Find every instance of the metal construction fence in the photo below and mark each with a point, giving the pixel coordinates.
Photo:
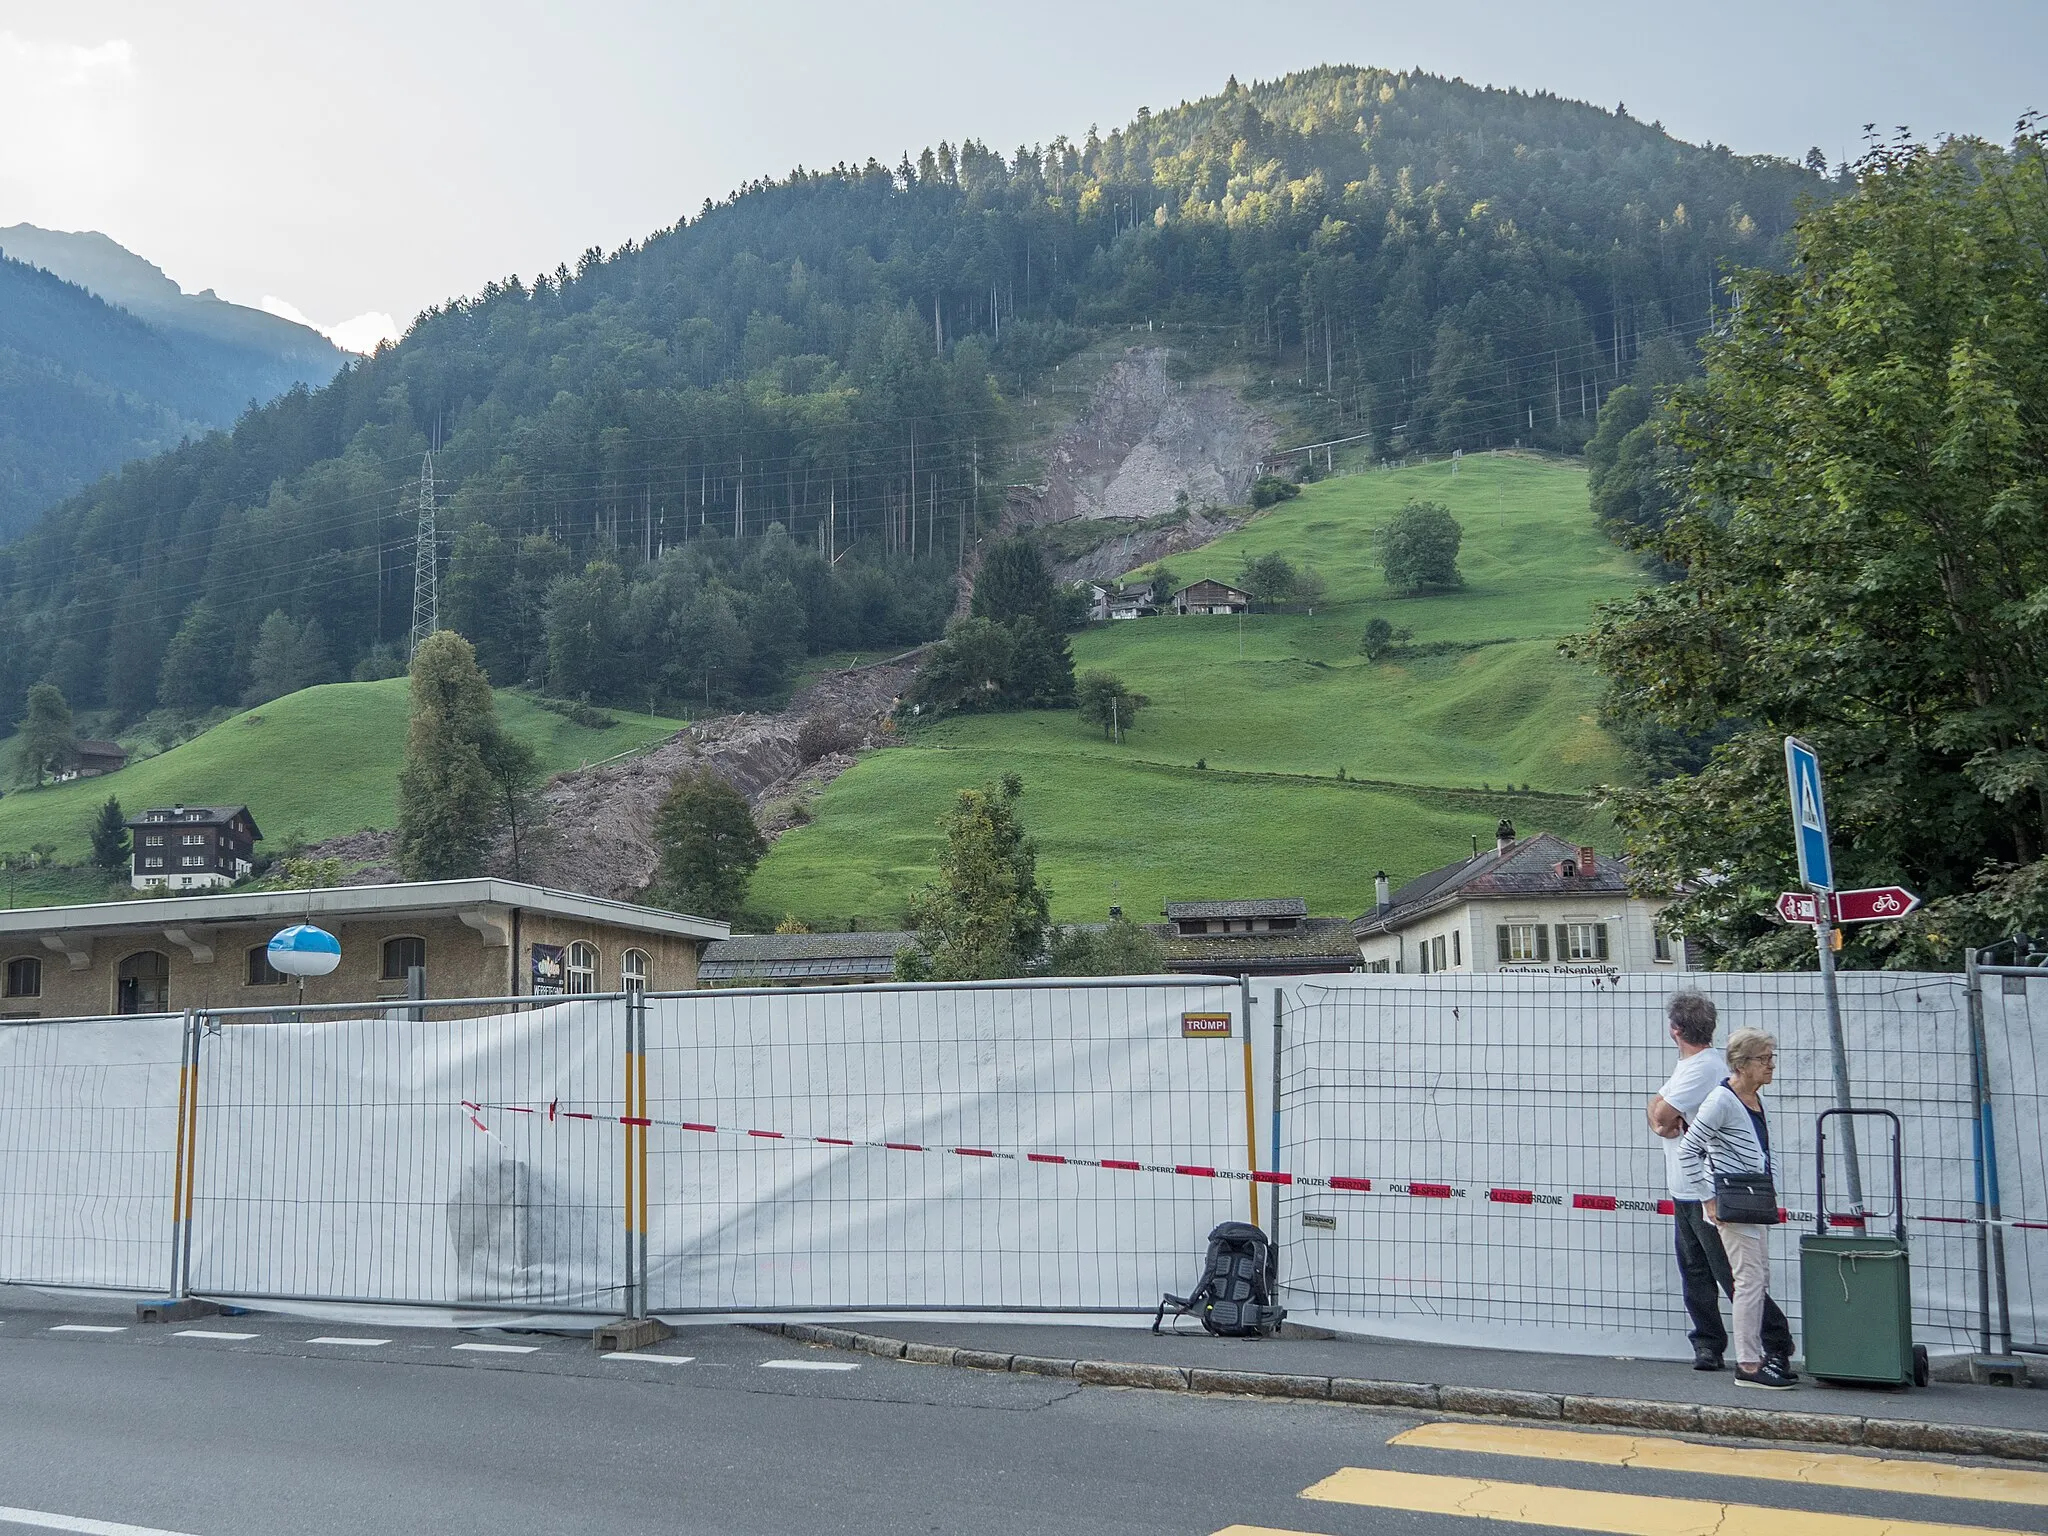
(1455, 1157)
(1514, 1189)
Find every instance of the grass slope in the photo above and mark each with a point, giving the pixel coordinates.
(1439, 736)
(312, 765)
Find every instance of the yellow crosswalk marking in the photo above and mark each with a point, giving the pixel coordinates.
(1819, 1469)
(1619, 1514)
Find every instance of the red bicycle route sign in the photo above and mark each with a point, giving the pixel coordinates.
(1877, 905)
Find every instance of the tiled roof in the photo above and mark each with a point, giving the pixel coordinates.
(761, 957)
(1259, 906)
(192, 815)
(744, 947)
(98, 748)
(1527, 867)
(1327, 940)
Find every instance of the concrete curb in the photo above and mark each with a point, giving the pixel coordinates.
(1483, 1402)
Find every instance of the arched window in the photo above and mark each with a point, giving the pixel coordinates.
(25, 977)
(633, 972)
(143, 984)
(401, 955)
(261, 972)
(582, 967)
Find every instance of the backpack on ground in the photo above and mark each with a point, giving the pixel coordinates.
(1234, 1297)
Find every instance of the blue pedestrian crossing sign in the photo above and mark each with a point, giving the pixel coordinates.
(1809, 815)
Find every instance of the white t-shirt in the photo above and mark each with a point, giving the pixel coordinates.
(1685, 1090)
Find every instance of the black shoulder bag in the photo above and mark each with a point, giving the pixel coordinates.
(1749, 1199)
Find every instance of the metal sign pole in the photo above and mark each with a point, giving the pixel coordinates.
(1817, 870)
(1824, 938)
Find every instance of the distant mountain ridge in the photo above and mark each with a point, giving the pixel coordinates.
(103, 359)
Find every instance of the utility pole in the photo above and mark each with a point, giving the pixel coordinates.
(426, 589)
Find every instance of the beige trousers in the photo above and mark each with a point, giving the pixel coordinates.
(1749, 1258)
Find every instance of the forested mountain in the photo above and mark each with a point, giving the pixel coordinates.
(104, 359)
(682, 438)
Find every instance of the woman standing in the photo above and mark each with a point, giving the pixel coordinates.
(1729, 1137)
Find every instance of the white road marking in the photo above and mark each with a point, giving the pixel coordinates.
(50, 1522)
(90, 1328)
(335, 1339)
(502, 1349)
(627, 1354)
(207, 1333)
(807, 1365)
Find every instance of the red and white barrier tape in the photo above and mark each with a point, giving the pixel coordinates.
(1341, 1183)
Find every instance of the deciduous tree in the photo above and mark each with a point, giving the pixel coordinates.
(985, 916)
(47, 744)
(1864, 559)
(708, 845)
(1419, 548)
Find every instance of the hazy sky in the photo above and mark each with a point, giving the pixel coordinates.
(374, 157)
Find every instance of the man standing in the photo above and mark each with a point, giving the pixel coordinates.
(1702, 1263)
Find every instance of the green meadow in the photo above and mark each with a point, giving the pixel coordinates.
(1276, 705)
(311, 765)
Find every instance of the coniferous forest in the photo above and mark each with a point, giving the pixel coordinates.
(667, 473)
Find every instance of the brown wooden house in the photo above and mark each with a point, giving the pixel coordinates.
(1211, 597)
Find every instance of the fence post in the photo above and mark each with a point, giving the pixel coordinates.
(636, 1004)
(632, 1162)
(176, 1287)
(1990, 1236)
(1251, 1107)
(189, 1101)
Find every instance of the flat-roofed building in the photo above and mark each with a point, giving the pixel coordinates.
(466, 938)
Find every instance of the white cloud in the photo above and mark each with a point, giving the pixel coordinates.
(358, 334)
(70, 132)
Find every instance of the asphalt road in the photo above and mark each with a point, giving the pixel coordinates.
(170, 1430)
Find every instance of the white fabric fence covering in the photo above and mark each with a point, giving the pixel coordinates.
(88, 1140)
(1535, 1086)
(1098, 1071)
(336, 1160)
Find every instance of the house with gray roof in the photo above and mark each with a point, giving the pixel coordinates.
(1527, 904)
(1255, 936)
(802, 959)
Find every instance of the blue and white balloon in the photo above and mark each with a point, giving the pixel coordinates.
(303, 950)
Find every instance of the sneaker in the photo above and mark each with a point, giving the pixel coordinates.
(1706, 1360)
(1782, 1365)
(1767, 1376)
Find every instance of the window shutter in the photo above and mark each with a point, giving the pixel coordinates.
(1457, 947)
(1599, 941)
(1542, 941)
(1500, 933)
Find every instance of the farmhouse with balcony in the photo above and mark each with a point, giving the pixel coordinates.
(1526, 904)
(1211, 597)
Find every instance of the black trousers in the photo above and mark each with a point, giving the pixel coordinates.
(1704, 1273)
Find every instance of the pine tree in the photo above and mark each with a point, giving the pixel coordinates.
(47, 742)
(1013, 583)
(199, 666)
(447, 801)
(708, 844)
(110, 837)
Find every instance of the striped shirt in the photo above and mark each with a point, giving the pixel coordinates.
(1723, 1137)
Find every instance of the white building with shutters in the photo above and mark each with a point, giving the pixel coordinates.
(1536, 904)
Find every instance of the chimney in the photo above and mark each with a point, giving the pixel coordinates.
(1382, 893)
(1504, 835)
(1588, 861)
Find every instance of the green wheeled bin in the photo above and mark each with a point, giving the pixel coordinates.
(1856, 1290)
